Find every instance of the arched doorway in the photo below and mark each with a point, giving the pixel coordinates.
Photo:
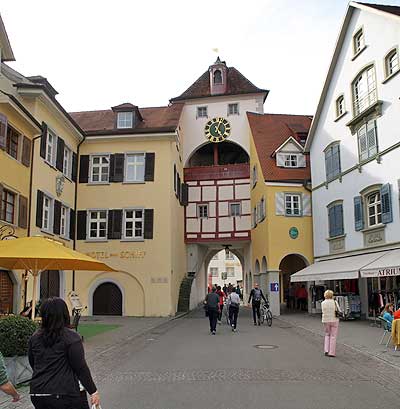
(6, 293)
(49, 284)
(289, 265)
(107, 300)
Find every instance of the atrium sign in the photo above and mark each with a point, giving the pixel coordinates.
(381, 272)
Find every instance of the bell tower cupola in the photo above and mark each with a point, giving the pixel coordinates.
(218, 77)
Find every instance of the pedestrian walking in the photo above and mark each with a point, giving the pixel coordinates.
(233, 308)
(57, 358)
(302, 297)
(330, 319)
(225, 289)
(221, 296)
(256, 295)
(212, 304)
(5, 385)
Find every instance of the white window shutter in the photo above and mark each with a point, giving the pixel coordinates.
(280, 204)
(306, 204)
(280, 160)
(301, 160)
(264, 210)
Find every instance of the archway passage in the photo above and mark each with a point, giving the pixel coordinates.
(213, 154)
(49, 284)
(6, 293)
(107, 300)
(292, 295)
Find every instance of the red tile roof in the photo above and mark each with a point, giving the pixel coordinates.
(269, 132)
(382, 7)
(158, 119)
(237, 84)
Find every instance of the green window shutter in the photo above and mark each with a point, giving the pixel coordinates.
(386, 200)
(358, 213)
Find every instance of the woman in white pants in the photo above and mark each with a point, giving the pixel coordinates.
(331, 322)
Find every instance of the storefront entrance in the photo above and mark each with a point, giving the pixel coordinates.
(107, 300)
(6, 293)
(49, 284)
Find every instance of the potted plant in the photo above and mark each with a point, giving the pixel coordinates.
(15, 332)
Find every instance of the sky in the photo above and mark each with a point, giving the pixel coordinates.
(98, 54)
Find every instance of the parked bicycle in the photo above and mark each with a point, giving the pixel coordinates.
(266, 314)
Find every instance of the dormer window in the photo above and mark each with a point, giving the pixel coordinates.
(290, 161)
(217, 77)
(124, 120)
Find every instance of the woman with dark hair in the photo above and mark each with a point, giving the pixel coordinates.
(57, 358)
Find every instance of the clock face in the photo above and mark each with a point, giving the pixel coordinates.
(217, 129)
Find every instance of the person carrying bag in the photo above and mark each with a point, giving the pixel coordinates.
(330, 318)
(233, 308)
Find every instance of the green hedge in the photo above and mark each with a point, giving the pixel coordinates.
(15, 332)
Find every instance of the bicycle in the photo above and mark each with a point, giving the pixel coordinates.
(266, 314)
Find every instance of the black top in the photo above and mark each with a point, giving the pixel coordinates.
(212, 300)
(252, 296)
(57, 369)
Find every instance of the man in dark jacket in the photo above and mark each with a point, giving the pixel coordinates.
(212, 305)
(256, 295)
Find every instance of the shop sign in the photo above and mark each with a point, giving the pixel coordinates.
(129, 254)
(293, 232)
(387, 272)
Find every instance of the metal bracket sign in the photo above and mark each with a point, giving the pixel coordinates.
(274, 287)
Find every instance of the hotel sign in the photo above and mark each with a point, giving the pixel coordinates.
(124, 255)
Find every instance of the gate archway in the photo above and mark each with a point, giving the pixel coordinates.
(107, 299)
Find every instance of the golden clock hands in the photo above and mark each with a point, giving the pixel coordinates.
(217, 128)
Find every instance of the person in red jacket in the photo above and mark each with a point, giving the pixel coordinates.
(302, 296)
(221, 303)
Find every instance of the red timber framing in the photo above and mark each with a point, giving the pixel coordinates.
(217, 187)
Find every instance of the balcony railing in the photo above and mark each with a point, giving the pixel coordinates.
(236, 171)
(364, 101)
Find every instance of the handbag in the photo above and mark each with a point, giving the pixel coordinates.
(338, 313)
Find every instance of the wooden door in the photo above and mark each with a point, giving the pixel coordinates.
(107, 300)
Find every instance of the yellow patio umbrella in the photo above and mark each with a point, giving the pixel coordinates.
(37, 254)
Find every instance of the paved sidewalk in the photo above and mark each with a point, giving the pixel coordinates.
(98, 347)
(360, 335)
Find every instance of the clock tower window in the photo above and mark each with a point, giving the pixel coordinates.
(217, 77)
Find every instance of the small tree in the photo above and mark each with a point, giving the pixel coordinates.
(15, 332)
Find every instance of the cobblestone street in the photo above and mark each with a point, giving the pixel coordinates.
(177, 364)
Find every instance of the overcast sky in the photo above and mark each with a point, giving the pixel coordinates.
(98, 54)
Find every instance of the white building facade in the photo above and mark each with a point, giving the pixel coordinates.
(225, 264)
(354, 146)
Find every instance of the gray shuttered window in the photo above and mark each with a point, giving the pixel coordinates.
(386, 200)
(358, 213)
(149, 167)
(3, 131)
(26, 151)
(84, 169)
(335, 215)
(81, 225)
(117, 162)
(43, 140)
(39, 209)
(71, 224)
(148, 223)
(115, 224)
(60, 154)
(332, 162)
(56, 217)
(23, 212)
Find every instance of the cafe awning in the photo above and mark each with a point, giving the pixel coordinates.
(388, 264)
(343, 268)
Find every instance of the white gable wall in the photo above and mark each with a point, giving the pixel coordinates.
(381, 35)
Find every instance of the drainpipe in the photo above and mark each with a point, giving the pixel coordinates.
(305, 185)
(30, 208)
(75, 204)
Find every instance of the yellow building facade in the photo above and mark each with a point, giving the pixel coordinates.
(129, 213)
(281, 236)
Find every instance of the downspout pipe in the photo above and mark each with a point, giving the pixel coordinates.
(30, 206)
(76, 203)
